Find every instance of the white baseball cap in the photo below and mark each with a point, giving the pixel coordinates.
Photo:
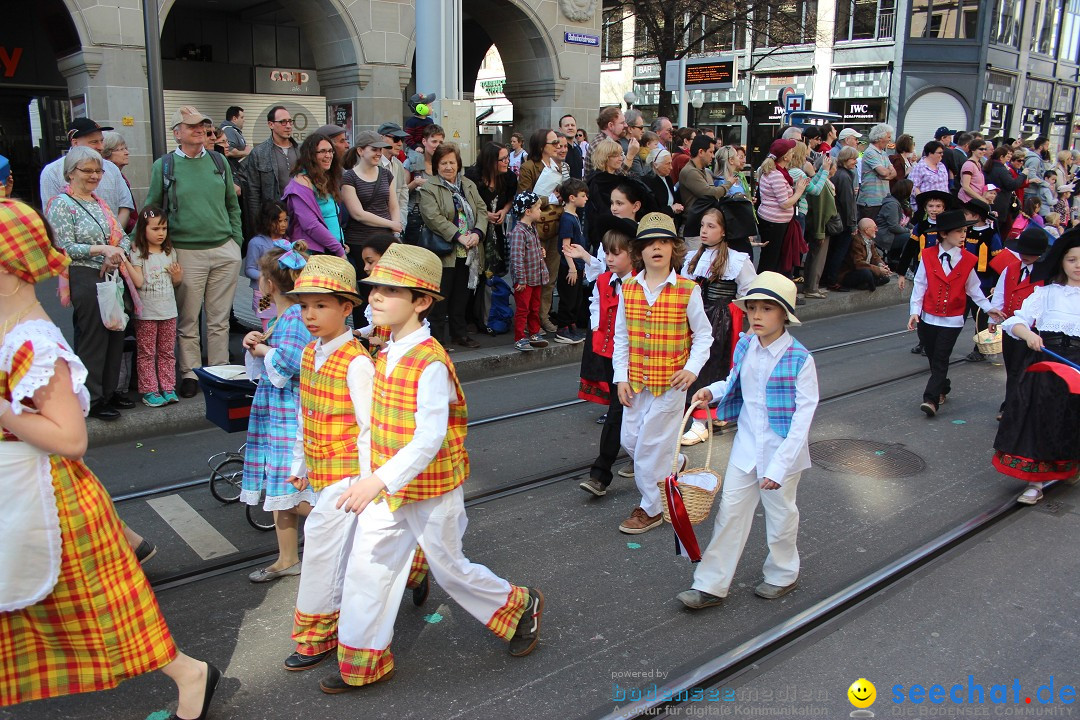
(849, 132)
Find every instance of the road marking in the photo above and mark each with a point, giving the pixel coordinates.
(192, 527)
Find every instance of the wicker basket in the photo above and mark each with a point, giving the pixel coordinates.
(989, 343)
(698, 502)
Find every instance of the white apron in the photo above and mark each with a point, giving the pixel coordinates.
(29, 525)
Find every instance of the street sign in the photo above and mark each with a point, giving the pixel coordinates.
(781, 97)
(794, 103)
(581, 39)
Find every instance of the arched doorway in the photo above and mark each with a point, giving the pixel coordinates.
(34, 101)
(929, 111)
(220, 53)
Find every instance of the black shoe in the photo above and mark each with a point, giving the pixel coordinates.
(297, 662)
(189, 388)
(121, 402)
(213, 676)
(602, 419)
(917, 350)
(145, 551)
(335, 684)
(104, 411)
(974, 356)
(420, 592)
(528, 630)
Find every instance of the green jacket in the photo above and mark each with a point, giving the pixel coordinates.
(437, 209)
(207, 213)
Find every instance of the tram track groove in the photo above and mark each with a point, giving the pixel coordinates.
(519, 486)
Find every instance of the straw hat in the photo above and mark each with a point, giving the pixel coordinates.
(656, 225)
(773, 286)
(325, 275)
(408, 266)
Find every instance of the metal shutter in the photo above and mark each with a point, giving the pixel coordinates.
(929, 112)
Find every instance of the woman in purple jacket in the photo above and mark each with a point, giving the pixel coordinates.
(313, 198)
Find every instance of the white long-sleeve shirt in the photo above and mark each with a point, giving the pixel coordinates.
(997, 301)
(739, 268)
(971, 287)
(700, 343)
(359, 378)
(435, 391)
(1053, 308)
(756, 444)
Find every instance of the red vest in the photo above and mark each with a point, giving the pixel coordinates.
(946, 295)
(1017, 292)
(603, 338)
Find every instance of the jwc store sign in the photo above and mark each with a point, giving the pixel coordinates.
(861, 111)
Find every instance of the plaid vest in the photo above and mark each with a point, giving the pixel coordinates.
(779, 392)
(659, 334)
(393, 423)
(1017, 292)
(946, 295)
(330, 426)
(603, 338)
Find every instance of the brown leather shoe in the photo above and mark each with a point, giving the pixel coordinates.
(335, 684)
(640, 522)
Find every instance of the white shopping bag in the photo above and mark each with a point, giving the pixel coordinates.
(110, 296)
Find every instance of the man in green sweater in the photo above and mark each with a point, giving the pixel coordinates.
(204, 227)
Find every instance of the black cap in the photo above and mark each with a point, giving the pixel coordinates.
(621, 225)
(1050, 266)
(392, 130)
(942, 132)
(81, 127)
(951, 220)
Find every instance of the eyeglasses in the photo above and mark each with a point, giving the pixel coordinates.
(637, 127)
(504, 158)
(553, 142)
(85, 171)
(327, 151)
(284, 122)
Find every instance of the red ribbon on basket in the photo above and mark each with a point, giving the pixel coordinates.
(685, 540)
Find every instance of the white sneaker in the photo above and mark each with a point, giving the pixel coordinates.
(1030, 496)
(697, 433)
(626, 471)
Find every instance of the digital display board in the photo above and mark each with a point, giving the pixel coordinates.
(713, 73)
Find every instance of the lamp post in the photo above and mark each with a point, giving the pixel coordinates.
(697, 101)
(630, 99)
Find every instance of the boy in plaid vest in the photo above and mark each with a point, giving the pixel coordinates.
(662, 340)
(332, 450)
(413, 494)
(773, 391)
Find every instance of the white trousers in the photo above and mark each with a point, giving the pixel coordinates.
(379, 567)
(650, 428)
(328, 539)
(738, 502)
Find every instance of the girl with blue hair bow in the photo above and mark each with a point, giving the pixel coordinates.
(275, 359)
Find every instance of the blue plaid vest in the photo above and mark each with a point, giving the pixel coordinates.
(779, 393)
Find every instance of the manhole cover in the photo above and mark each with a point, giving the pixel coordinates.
(866, 458)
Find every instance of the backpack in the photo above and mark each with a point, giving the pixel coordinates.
(501, 316)
(168, 164)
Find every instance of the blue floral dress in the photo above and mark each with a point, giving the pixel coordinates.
(272, 427)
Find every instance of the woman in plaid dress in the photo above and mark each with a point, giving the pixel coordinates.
(272, 427)
(76, 612)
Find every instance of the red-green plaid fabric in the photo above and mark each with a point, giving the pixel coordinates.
(393, 423)
(27, 253)
(101, 624)
(659, 333)
(314, 634)
(505, 620)
(330, 427)
(363, 666)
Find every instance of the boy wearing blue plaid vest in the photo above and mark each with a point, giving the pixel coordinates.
(773, 391)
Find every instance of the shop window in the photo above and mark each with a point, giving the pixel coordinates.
(1046, 25)
(865, 19)
(611, 37)
(719, 35)
(945, 19)
(790, 22)
(1008, 18)
(1070, 32)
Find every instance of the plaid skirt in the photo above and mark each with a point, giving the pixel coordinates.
(101, 624)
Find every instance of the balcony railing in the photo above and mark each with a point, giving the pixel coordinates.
(886, 24)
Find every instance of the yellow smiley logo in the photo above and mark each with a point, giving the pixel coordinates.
(862, 693)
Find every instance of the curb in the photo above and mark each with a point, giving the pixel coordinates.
(189, 414)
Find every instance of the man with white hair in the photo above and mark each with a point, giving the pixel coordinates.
(848, 137)
(662, 127)
(877, 171)
(793, 133)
